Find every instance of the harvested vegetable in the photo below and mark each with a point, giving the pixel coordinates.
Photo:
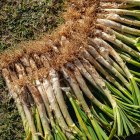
(82, 80)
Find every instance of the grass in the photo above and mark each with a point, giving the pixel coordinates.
(21, 21)
(24, 20)
(10, 122)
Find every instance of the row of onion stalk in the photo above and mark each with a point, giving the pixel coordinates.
(96, 96)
